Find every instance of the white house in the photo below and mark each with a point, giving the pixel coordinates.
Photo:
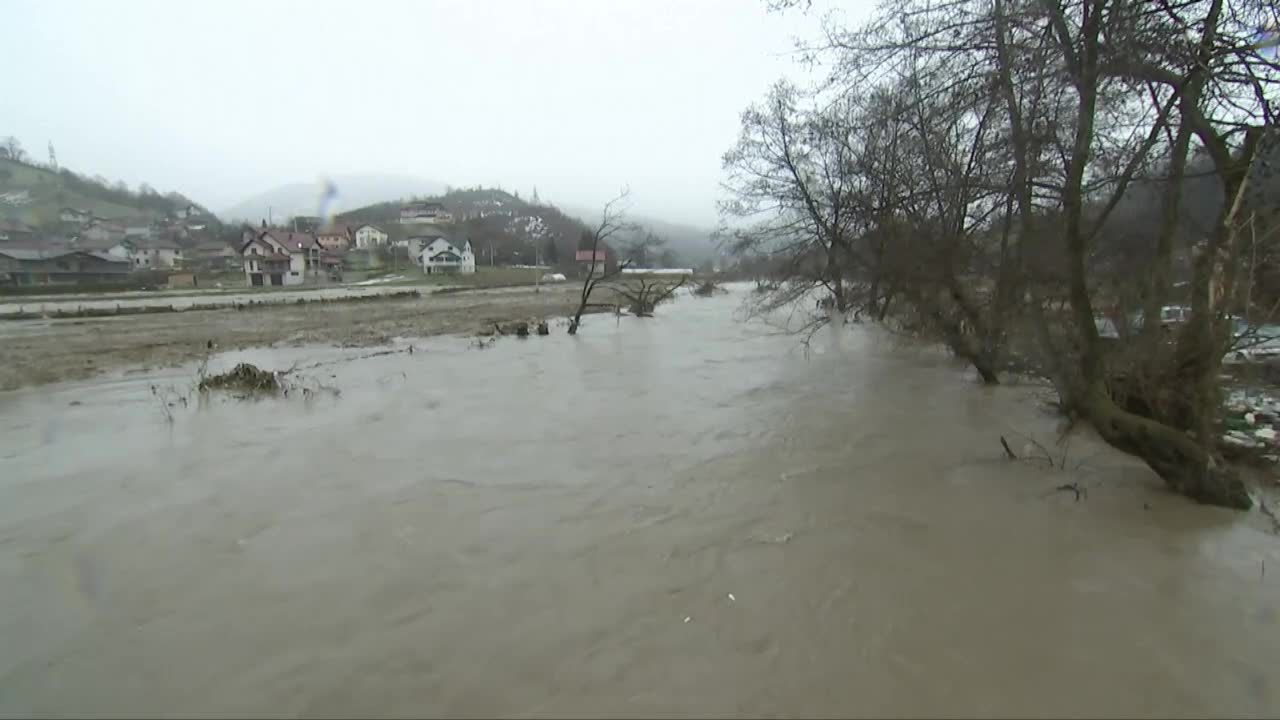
(442, 256)
(156, 255)
(121, 250)
(370, 236)
(139, 228)
(277, 257)
(416, 213)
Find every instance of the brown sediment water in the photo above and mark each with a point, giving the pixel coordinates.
(684, 515)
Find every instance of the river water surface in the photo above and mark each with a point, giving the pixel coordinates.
(686, 515)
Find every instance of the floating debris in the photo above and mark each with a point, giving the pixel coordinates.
(244, 377)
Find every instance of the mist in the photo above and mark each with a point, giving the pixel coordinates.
(226, 101)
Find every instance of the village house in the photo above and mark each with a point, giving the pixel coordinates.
(335, 239)
(285, 257)
(138, 227)
(416, 213)
(590, 264)
(370, 236)
(213, 255)
(41, 266)
(417, 239)
(101, 230)
(72, 215)
(276, 257)
(13, 231)
(157, 254)
(119, 249)
(443, 256)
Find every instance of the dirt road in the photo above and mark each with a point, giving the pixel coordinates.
(43, 351)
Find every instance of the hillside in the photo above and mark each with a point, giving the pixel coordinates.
(693, 245)
(509, 229)
(503, 228)
(353, 191)
(33, 195)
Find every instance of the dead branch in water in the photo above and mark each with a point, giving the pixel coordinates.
(1075, 487)
(644, 295)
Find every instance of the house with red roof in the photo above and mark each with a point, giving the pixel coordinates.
(274, 257)
(335, 238)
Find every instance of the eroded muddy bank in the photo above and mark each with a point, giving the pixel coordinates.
(35, 352)
(557, 525)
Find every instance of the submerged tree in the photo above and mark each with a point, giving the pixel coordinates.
(613, 222)
(995, 140)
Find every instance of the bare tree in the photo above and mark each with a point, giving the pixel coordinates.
(612, 223)
(1083, 101)
(643, 294)
(11, 148)
(790, 195)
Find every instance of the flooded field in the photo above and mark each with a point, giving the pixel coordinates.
(183, 300)
(686, 515)
(42, 351)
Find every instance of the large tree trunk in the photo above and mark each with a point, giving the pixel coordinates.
(1182, 462)
(1187, 464)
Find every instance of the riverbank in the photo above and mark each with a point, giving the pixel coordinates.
(43, 351)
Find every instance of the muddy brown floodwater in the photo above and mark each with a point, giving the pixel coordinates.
(677, 516)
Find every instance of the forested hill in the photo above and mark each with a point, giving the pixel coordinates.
(515, 229)
(503, 228)
(33, 194)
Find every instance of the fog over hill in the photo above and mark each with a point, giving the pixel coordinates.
(353, 191)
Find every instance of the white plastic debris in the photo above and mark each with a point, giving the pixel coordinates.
(1238, 441)
(1250, 418)
(687, 618)
(732, 598)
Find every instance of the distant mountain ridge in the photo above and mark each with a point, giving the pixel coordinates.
(691, 243)
(353, 191)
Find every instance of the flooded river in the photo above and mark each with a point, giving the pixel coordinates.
(686, 515)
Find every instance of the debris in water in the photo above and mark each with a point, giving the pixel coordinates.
(732, 598)
(1074, 487)
(782, 539)
(245, 377)
(687, 618)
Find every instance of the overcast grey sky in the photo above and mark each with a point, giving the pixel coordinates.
(222, 100)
